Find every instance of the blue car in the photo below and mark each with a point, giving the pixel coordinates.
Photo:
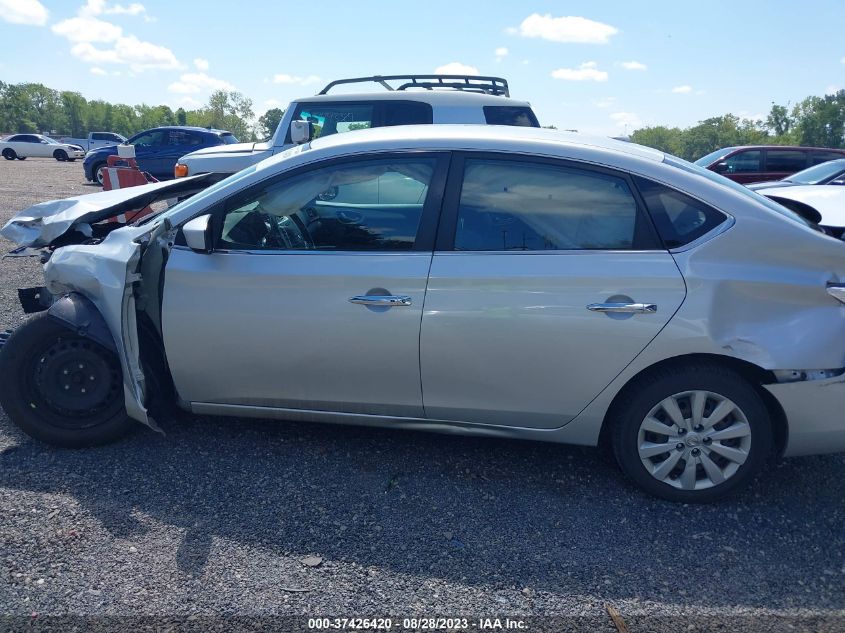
(158, 149)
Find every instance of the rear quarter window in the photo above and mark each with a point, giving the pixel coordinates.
(679, 219)
(519, 116)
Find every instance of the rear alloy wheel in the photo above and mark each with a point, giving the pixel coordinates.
(9, 154)
(60, 155)
(693, 435)
(62, 388)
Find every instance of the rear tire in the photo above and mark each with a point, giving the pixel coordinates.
(60, 155)
(9, 154)
(691, 434)
(62, 388)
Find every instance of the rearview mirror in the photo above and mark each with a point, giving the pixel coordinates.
(301, 131)
(197, 234)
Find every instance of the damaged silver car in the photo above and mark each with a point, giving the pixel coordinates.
(506, 282)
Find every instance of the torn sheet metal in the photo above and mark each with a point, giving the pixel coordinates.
(40, 225)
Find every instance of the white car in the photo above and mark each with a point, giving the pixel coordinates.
(821, 204)
(22, 146)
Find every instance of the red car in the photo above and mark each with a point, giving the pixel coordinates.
(756, 163)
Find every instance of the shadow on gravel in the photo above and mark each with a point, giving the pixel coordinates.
(489, 513)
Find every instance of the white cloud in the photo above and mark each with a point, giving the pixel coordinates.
(632, 65)
(99, 7)
(682, 90)
(29, 12)
(565, 29)
(138, 55)
(191, 83)
(87, 29)
(456, 68)
(273, 103)
(501, 53)
(832, 89)
(188, 102)
(95, 70)
(605, 102)
(627, 120)
(201, 64)
(588, 71)
(283, 78)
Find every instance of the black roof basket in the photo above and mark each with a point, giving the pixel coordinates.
(465, 83)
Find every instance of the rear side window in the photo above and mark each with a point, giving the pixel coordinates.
(519, 116)
(407, 113)
(817, 158)
(526, 206)
(679, 219)
(785, 160)
(98, 136)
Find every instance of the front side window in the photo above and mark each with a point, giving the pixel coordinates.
(678, 218)
(785, 160)
(519, 116)
(509, 205)
(334, 118)
(743, 162)
(149, 139)
(373, 205)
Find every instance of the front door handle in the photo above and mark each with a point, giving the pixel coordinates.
(385, 301)
(619, 308)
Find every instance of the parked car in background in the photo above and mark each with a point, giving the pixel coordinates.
(381, 278)
(830, 173)
(415, 99)
(95, 140)
(158, 149)
(821, 204)
(23, 146)
(757, 163)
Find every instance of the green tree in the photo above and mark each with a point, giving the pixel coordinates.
(269, 121)
(75, 108)
(181, 117)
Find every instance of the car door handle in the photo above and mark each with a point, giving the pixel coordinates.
(637, 308)
(387, 301)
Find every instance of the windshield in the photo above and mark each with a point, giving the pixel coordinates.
(818, 173)
(674, 161)
(712, 157)
(49, 140)
(228, 139)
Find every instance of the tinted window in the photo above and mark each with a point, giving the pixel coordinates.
(509, 205)
(741, 162)
(15, 139)
(333, 118)
(183, 137)
(822, 157)
(362, 206)
(785, 160)
(407, 113)
(228, 139)
(99, 136)
(510, 115)
(679, 219)
(154, 138)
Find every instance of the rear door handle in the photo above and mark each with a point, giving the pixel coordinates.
(617, 308)
(386, 301)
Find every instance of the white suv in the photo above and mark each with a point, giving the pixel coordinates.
(417, 99)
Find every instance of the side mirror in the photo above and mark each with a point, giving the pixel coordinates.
(301, 131)
(197, 234)
(721, 167)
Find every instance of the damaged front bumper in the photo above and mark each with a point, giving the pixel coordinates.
(814, 411)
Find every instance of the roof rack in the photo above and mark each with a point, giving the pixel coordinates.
(466, 83)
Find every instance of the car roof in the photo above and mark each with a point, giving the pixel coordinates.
(188, 128)
(439, 98)
(799, 147)
(480, 137)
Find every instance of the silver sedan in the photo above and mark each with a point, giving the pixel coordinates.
(507, 282)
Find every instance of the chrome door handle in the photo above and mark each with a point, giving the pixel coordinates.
(638, 308)
(385, 301)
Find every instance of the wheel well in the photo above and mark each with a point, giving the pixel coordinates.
(754, 374)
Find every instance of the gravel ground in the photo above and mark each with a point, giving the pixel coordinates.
(236, 518)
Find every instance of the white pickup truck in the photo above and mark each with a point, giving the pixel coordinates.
(95, 140)
(418, 99)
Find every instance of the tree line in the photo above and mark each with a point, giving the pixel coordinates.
(814, 122)
(33, 107)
